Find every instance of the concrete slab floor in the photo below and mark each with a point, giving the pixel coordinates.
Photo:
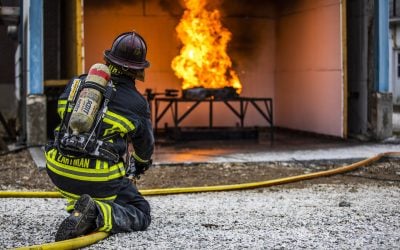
(287, 146)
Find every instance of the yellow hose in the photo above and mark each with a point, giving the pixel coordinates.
(75, 243)
(29, 194)
(93, 238)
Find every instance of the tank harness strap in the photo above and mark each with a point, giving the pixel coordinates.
(90, 144)
(89, 84)
(76, 87)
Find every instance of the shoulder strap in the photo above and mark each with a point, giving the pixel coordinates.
(75, 88)
(108, 95)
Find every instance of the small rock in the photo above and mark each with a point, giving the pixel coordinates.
(344, 204)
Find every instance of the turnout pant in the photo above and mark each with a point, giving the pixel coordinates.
(128, 212)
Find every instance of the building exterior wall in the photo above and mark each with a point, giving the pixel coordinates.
(309, 83)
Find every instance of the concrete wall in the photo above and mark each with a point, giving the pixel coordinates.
(309, 85)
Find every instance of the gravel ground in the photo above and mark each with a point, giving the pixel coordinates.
(319, 216)
(356, 210)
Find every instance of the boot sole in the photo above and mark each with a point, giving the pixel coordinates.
(70, 227)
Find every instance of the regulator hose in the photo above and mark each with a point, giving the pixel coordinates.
(97, 236)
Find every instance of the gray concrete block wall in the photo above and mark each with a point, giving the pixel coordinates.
(36, 119)
(382, 115)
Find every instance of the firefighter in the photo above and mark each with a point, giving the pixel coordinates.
(95, 178)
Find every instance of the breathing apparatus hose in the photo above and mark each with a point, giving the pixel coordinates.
(97, 236)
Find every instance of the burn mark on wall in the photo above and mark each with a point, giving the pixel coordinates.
(248, 22)
(173, 8)
(109, 4)
(249, 8)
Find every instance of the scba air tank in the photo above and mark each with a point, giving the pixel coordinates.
(89, 99)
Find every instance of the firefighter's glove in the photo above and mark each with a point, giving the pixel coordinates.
(137, 168)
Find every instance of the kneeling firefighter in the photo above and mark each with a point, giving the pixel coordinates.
(89, 161)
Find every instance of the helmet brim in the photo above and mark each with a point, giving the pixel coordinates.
(124, 63)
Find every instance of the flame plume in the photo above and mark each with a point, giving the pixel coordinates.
(203, 61)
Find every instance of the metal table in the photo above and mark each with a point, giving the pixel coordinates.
(173, 103)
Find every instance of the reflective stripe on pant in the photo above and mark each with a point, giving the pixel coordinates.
(128, 212)
(104, 220)
(72, 198)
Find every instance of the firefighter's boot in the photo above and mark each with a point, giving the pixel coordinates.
(81, 221)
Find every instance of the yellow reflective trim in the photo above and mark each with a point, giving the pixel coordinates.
(116, 175)
(101, 164)
(103, 211)
(112, 130)
(107, 216)
(69, 208)
(68, 195)
(122, 119)
(110, 198)
(74, 197)
(87, 174)
(53, 153)
(71, 201)
(61, 105)
(118, 121)
(115, 167)
(70, 205)
(134, 155)
(61, 111)
(74, 88)
(63, 108)
(84, 176)
(116, 127)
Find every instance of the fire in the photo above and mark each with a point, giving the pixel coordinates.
(203, 60)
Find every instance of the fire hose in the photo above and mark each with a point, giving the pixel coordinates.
(97, 236)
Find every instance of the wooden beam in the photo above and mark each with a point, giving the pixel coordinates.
(56, 83)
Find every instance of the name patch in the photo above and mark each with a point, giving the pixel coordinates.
(76, 162)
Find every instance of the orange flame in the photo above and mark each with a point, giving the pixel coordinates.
(203, 61)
